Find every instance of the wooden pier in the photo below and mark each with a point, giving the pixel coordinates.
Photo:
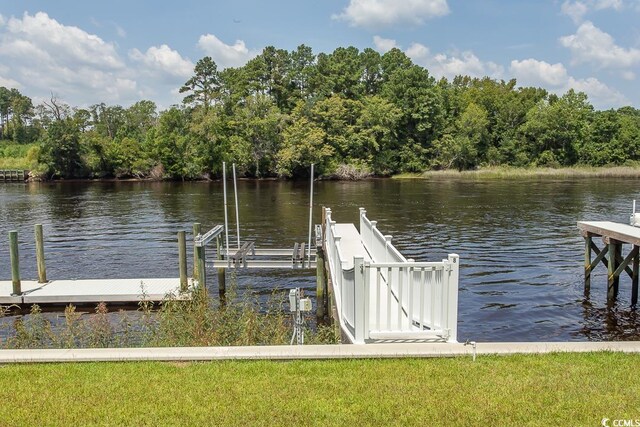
(78, 292)
(13, 175)
(92, 291)
(614, 236)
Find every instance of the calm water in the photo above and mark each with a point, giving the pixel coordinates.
(521, 255)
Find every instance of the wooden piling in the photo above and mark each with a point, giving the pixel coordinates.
(197, 229)
(42, 268)
(15, 262)
(222, 285)
(634, 278)
(322, 297)
(321, 281)
(587, 264)
(610, 269)
(182, 260)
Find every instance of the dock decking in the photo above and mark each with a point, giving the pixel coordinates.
(119, 291)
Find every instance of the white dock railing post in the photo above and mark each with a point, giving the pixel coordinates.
(361, 324)
(452, 297)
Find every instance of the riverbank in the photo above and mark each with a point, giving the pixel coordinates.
(503, 172)
(555, 389)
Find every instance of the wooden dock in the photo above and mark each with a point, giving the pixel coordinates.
(120, 291)
(614, 235)
(13, 175)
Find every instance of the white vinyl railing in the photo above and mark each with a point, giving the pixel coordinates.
(386, 296)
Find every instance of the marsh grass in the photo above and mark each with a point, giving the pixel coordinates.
(200, 321)
(505, 172)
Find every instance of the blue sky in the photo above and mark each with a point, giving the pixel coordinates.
(119, 52)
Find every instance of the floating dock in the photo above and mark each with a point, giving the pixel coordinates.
(120, 291)
(614, 235)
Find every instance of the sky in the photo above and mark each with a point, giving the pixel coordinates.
(119, 52)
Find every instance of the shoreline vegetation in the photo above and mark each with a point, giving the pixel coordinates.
(554, 389)
(487, 173)
(202, 321)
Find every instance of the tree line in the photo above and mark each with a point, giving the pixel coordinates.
(351, 112)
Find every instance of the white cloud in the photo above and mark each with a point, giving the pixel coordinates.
(592, 45)
(449, 66)
(600, 95)
(556, 79)
(574, 9)
(531, 72)
(383, 45)
(60, 43)
(377, 13)
(163, 60)
(9, 83)
(577, 9)
(120, 31)
(628, 75)
(42, 56)
(2, 21)
(226, 55)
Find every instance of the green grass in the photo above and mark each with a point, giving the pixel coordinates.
(505, 172)
(556, 389)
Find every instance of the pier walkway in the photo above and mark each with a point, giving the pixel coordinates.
(380, 296)
(120, 291)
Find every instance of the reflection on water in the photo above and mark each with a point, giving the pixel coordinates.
(521, 254)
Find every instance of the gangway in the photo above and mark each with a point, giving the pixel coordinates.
(383, 297)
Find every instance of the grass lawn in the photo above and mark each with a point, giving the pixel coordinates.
(557, 389)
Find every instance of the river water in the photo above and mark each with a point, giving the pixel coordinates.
(521, 256)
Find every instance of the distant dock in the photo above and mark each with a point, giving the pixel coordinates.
(13, 175)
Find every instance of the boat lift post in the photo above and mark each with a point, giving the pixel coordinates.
(310, 218)
(226, 219)
(235, 193)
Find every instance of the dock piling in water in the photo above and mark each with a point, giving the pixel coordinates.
(182, 260)
(15, 262)
(614, 236)
(222, 285)
(197, 229)
(42, 268)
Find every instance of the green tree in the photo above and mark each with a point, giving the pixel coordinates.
(555, 129)
(61, 150)
(204, 87)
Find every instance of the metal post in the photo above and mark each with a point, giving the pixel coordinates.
(182, 260)
(310, 218)
(15, 262)
(226, 217)
(235, 193)
(42, 269)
